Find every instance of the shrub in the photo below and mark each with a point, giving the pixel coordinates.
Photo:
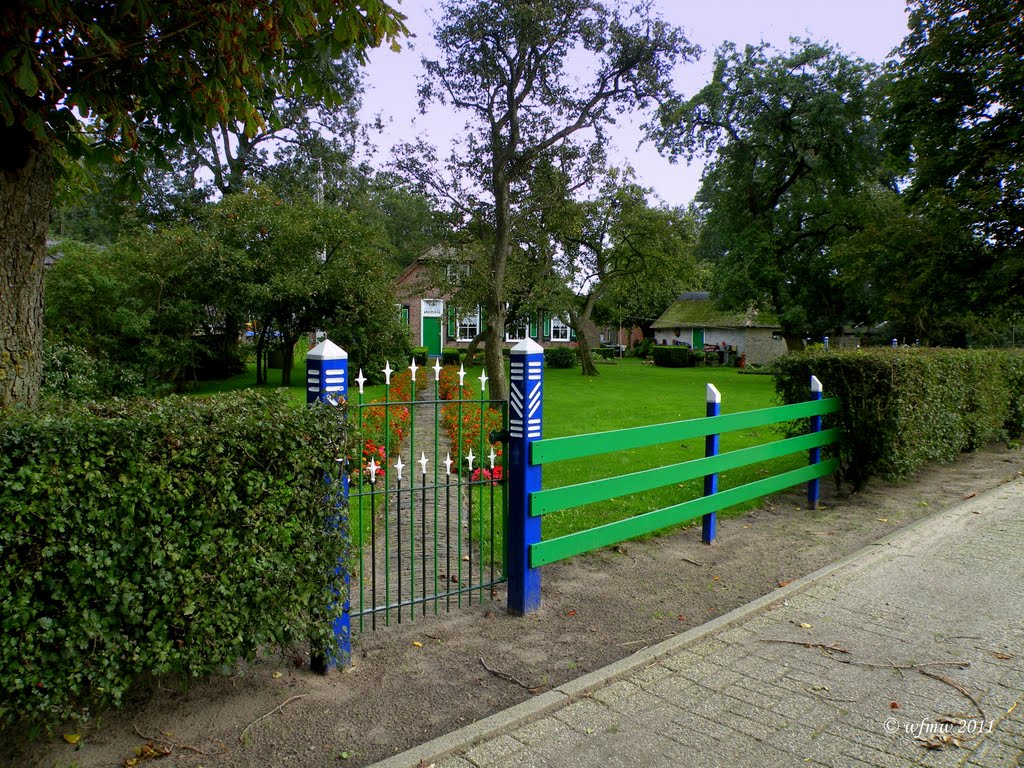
(167, 537)
(419, 354)
(671, 357)
(605, 353)
(451, 356)
(903, 408)
(560, 357)
(643, 347)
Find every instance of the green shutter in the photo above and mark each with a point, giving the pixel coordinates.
(452, 328)
(533, 328)
(547, 328)
(482, 319)
(572, 333)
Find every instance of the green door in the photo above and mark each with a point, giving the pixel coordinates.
(698, 339)
(432, 335)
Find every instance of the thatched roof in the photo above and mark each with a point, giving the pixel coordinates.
(696, 310)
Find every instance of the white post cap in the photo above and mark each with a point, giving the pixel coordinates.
(816, 385)
(713, 395)
(527, 347)
(327, 350)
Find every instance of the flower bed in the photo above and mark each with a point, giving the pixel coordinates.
(467, 423)
(384, 423)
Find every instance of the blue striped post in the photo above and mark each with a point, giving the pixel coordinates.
(710, 521)
(327, 380)
(814, 486)
(526, 397)
(825, 342)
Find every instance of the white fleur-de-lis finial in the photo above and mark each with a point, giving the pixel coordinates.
(423, 461)
(437, 369)
(374, 467)
(360, 380)
(387, 371)
(399, 466)
(448, 463)
(492, 456)
(462, 375)
(483, 381)
(470, 458)
(413, 368)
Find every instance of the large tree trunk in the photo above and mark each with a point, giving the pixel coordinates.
(26, 196)
(493, 360)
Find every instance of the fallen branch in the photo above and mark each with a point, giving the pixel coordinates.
(823, 646)
(510, 678)
(691, 562)
(923, 665)
(174, 745)
(956, 686)
(279, 707)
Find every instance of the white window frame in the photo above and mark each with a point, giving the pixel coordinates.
(465, 323)
(518, 332)
(560, 331)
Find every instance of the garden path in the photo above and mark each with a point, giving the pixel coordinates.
(422, 550)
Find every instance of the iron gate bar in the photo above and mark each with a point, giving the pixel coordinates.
(395, 494)
(581, 446)
(569, 496)
(560, 548)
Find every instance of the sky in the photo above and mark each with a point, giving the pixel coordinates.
(868, 29)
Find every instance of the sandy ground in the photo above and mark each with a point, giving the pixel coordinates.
(413, 682)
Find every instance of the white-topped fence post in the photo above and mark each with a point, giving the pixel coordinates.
(327, 381)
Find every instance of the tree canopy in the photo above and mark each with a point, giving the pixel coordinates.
(122, 81)
(789, 141)
(504, 64)
(956, 133)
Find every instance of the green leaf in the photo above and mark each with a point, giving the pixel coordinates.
(26, 78)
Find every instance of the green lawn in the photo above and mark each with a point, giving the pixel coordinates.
(631, 394)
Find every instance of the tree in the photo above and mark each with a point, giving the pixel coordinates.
(306, 265)
(506, 64)
(151, 75)
(956, 126)
(791, 140)
(618, 240)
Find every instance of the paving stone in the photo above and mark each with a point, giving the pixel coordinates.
(539, 730)
(493, 750)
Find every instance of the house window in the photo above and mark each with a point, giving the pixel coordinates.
(468, 327)
(403, 313)
(559, 330)
(516, 332)
(456, 274)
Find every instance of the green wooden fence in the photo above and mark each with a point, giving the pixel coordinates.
(550, 450)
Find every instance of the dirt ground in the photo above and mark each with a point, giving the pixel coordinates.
(413, 682)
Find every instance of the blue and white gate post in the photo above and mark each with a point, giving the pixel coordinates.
(526, 399)
(326, 381)
(814, 486)
(714, 408)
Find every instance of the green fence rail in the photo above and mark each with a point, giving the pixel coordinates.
(582, 446)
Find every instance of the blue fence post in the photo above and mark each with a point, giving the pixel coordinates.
(710, 521)
(526, 400)
(825, 342)
(814, 486)
(326, 380)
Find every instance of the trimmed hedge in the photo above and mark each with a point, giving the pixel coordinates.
(419, 354)
(159, 537)
(451, 356)
(903, 408)
(671, 357)
(560, 357)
